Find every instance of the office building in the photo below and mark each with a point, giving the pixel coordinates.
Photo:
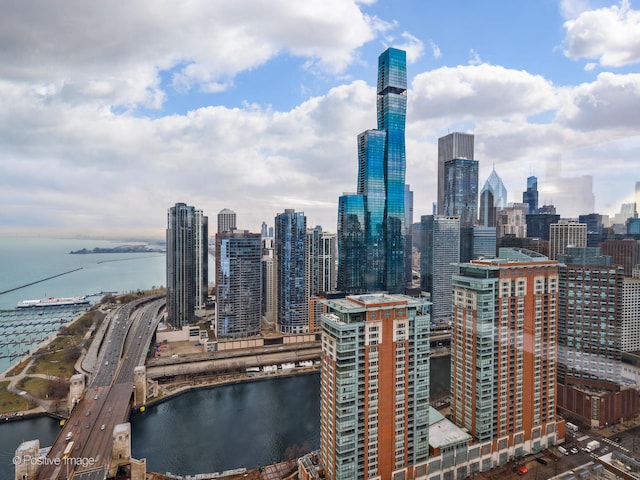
(292, 305)
(187, 263)
(624, 252)
(566, 233)
(589, 339)
(594, 222)
(534, 244)
(377, 211)
(374, 403)
(503, 356)
(452, 145)
(512, 221)
(539, 224)
(438, 261)
(633, 226)
(530, 196)
(461, 190)
(493, 197)
(238, 284)
(477, 243)
(322, 261)
(226, 220)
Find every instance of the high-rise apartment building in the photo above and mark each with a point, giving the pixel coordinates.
(566, 233)
(630, 337)
(374, 405)
(268, 280)
(441, 253)
(530, 196)
(589, 339)
(322, 261)
(503, 356)
(226, 220)
(378, 207)
(453, 145)
(461, 190)
(187, 263)
(238, 283)
(493, 197)
(292, 305)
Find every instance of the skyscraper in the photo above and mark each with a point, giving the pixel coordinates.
(379, 213)
(441, 253)
(187, 263)
(590, 339)
(226, 220)
(530, 196)
(461, 190)
(238, 283)
(493, 197)
(408, 237)
(322, 261)
(503, 357)
(374, 402)
(291, 272)
(453, 145)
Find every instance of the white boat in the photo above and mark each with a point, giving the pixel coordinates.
(53, 302)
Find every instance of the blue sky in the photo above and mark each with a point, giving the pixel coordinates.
(108, 117)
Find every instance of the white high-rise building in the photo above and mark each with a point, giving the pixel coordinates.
(226, 220)
(566, 233)
(630, 314)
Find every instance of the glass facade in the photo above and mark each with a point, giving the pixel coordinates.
(291, 260)
(381, 176)
(187, 263)
(461, 190)
(238, 283)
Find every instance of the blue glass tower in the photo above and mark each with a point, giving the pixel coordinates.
(381, 186)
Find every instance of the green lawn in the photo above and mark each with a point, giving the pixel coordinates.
(10, 402)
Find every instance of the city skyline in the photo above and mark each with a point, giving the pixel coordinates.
(258, 111)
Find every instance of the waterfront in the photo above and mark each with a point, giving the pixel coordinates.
(215, 429)
(27, 260)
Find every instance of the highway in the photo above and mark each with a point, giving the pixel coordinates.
(106, 403)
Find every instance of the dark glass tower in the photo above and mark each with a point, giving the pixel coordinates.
(291, 272)
(381, 175)
(530, 197)
(461, 190)
(187, 263)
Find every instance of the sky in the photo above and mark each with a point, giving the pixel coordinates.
(109, 116)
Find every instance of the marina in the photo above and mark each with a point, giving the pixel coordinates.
(23, 329)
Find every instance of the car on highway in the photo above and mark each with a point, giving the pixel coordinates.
(617, 439)
(574, 450)
(102, 426)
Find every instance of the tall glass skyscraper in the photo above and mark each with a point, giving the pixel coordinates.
(461, 190)
(291, 272)
(379, 204)
(187, 263)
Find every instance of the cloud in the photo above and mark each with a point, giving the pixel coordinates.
(610, 34)
(608, 103)
(94, 52)
(479, 91)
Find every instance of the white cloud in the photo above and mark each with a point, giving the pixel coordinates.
(435, 49)
(114, 55)
(609, 34)
(479, 91)
(608, 103)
